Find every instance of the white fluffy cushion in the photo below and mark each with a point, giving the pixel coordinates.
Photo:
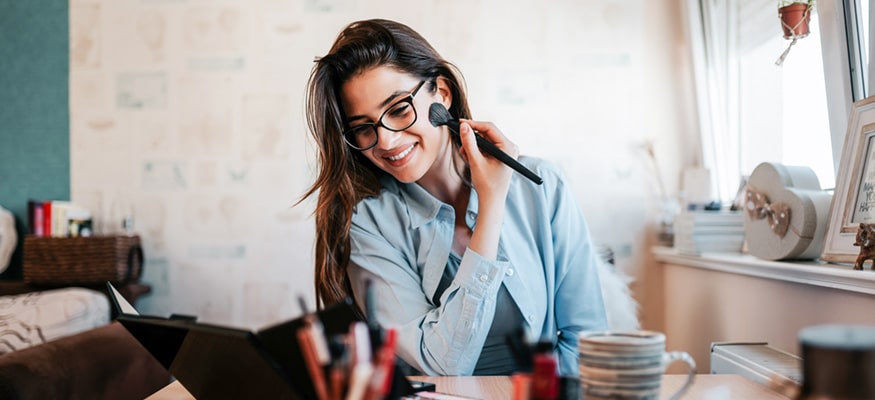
(620, 307)
(38, 317)
(8, 237)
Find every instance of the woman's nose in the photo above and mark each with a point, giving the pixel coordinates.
(386, 138)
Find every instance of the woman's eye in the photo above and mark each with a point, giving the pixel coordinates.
(360, 130)
(401, 109)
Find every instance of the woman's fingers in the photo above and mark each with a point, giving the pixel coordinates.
(489, 175)
(469, 142)
(492, 134)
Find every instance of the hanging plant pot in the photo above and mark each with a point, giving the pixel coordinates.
(794, 20)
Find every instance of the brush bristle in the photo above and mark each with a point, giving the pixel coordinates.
(438, 114)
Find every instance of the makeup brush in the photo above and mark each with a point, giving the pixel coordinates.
(439, 115)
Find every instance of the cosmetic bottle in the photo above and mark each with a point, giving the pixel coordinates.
(545, 373)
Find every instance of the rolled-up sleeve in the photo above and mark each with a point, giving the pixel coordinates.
(444, 340)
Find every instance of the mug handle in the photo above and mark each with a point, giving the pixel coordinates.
(673, 356)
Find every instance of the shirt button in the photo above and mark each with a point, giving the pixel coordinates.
(530, 317)
(484, 278)
(509, 272)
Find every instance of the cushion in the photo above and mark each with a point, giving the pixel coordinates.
(621, 309)
(38, 317)
(8, 238)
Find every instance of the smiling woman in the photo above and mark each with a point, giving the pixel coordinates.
(366, 96)
(398, 117)
(438, 241)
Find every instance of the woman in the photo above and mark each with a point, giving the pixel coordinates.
(458, 249)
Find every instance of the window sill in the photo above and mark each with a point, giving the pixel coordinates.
(815, 273)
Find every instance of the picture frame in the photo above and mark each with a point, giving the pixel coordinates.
(853, 201)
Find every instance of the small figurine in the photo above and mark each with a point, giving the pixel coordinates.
(866, 241)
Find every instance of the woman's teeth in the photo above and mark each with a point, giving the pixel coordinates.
(401, 154)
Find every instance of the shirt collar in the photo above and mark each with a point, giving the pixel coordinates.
(422, 207)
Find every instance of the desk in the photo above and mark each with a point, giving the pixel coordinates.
(499, 387)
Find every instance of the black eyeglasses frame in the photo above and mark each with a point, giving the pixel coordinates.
(374, 125)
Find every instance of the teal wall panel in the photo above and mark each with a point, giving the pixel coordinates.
(34, 112)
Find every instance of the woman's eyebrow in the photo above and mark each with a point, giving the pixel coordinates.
(384, 104)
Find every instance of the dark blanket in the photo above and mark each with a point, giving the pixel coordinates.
(103, 363)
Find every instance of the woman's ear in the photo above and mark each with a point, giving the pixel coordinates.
(443, 90)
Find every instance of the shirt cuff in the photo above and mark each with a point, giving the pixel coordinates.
(478, 275)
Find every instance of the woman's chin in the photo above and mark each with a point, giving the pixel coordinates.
(406, 177)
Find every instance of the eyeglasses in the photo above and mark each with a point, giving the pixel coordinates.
(398, 117)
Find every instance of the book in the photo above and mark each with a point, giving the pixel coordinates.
(709, 231)
(35, 217)
(47, 218)
(710, 218)
(57, 218)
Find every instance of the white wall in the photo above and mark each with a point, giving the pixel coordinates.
(188, 115)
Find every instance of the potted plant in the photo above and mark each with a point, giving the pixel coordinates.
(794, 16)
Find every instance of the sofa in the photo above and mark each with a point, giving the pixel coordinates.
(29, 315)
(58, 343)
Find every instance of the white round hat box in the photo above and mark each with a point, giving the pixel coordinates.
(785, 212)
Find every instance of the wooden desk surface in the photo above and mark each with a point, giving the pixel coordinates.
(499, 387)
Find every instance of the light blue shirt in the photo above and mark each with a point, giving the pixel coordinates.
(401, 241)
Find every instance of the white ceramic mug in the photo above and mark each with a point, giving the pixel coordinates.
(627, 364)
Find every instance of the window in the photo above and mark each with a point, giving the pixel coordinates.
(782, 109)
(753, 110)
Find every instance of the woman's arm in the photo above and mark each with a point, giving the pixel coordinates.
(579, 305)
(491, 180)
(444, 340)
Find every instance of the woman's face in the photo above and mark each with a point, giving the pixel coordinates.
(409, 154)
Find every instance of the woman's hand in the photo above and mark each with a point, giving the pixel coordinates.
(491, 177)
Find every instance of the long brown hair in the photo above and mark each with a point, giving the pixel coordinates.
(345, 176)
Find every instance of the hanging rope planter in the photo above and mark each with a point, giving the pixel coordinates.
(794, 22)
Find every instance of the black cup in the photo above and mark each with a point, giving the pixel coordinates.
(838, 362)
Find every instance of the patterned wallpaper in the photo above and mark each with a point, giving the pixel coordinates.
(187, 115)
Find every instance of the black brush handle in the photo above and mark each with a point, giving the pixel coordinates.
(494, 151)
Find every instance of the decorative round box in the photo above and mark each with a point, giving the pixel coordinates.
(785, 212)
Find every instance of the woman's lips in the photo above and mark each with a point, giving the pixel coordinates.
(399, 157)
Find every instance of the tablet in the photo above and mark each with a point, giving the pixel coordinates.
(217, 362)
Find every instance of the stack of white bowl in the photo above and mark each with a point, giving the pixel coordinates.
(621, 365)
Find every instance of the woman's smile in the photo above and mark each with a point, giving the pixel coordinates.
(400, 155)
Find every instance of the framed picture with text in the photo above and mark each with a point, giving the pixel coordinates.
(854, 199)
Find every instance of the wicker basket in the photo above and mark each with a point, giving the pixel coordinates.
(82, 260)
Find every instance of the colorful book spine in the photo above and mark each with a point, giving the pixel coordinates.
(47, 218)
(55, 218)
(35, 217)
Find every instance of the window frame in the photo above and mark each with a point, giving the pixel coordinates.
(840, 47)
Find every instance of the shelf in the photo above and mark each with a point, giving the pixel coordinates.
(815, 273)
